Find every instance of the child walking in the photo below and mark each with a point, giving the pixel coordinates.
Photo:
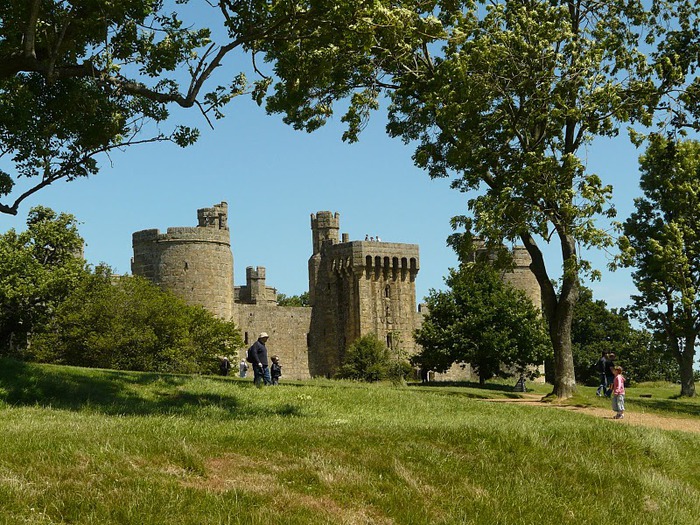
(276, 370)
(618, 393)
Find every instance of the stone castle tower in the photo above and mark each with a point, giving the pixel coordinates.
(357, 288)
(196, 263)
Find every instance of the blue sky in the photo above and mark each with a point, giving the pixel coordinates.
(273, 178)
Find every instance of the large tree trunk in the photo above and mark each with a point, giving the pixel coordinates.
(558, 311)
(685, 361)
(560, 335)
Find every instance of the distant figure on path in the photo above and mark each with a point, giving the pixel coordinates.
(257, 357)
(609, 374)
(618, 394)
(424, 375)
(275, 370)
(224, 365)
(242, 368)
(601, 367)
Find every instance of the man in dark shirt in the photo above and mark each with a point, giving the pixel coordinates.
(609, 374)
(257, 355)
(601, 367)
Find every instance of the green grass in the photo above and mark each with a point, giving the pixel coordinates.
(102, 447)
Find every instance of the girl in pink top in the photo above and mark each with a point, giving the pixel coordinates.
(618, 393)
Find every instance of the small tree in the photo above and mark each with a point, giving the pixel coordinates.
(367, 359)
(662, 242)
(483, 321)
(293, 300)
(128, 323)
(38, 269)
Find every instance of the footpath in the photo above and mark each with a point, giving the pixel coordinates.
(631, 417)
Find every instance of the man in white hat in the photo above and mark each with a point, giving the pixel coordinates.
(257, 355)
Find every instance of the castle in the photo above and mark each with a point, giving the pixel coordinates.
(355, 288)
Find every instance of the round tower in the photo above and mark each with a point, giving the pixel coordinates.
(194, 263)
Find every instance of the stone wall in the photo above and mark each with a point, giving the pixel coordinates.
(288, 328)
(194, 263)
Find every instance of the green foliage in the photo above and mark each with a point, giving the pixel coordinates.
(368, 359)
(597, 329)
(293, 300)
(483, 321)
(127, 323)
(662, 242)
(502, 96)
(38, 269)
(79, 79)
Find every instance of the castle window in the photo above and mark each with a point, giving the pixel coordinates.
(186, 265)
(387, 291)
(389, 340)
(245, 338)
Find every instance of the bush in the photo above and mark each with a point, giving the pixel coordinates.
(128, 323)
(368, 359)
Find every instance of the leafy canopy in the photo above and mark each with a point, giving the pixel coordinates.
(79, 79)
(483, 321)
(662, 242)
(38, 268)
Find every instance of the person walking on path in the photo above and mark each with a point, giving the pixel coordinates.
(609, 374)
(618, 394)
(242, 368)
(257, 356)
(224, 365)
(601, 367)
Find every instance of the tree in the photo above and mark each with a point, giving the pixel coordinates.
(128, 323)
(38, 269)
(367, 359)
(483, 321)
(80, 79)
(293, 300)
(504, 97)
(662, 242)
(597, 329)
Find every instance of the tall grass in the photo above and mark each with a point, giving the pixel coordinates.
(94, 446)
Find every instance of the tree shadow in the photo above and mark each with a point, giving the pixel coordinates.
(113, 392)
(675, 405)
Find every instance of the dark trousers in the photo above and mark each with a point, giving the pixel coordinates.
(261, 375)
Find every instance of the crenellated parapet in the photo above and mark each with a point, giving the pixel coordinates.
(195, 263)
(375, 259)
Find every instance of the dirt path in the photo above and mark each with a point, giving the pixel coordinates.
(631, 418)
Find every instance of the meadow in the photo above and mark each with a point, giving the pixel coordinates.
(84, 446)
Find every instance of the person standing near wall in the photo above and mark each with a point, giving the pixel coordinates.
(276, 370)
(242, 368)
(257, 357)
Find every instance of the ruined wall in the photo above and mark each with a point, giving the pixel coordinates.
(195, 263)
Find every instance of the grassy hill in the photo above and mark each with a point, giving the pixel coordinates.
(86, 446)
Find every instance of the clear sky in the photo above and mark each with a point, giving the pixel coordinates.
(273, 178)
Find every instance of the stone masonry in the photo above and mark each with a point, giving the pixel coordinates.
(355, 288)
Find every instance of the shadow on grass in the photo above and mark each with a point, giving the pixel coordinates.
(671, 406)
(470, 389)
(123, 393)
